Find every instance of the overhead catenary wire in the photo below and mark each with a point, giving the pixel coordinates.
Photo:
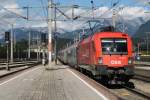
(13, 12)
(45, 12)
(36, 13)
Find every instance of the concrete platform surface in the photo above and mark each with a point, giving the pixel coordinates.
(52, 84)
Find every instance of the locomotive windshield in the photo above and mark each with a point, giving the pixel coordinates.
(114, 46)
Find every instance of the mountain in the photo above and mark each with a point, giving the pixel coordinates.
(142, 33)
(143, 30)
(23, 33)
(130, 27)
(133, 25)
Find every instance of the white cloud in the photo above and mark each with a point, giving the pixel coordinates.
(133, 12)
(144, 1)
(13, 5)
(101, 11)
(65, 25)
(39, 24)
(6, 17)
(10, 4)
(128, 13)
(76, 12)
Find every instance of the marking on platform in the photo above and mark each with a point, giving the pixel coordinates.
(91, 87)
(125, 94)
(18, 76)
(28, 79)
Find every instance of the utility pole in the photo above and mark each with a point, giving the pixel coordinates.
(50, 7)
(92, 8)
(147, 33)
(113, 18)
(79, 36)
(11, 44)
(138, 48)
(7, 40)
(38, 46)
(72, 12)
(29, 42)
(83, 31)
(147, 43)
(7, 68)
(55, 36)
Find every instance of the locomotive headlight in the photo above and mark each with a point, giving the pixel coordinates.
(100, 60)
(130, 60)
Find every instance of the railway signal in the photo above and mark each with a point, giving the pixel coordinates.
(7, 37)
(43, 38)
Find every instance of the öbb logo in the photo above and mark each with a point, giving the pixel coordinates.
(115, 62)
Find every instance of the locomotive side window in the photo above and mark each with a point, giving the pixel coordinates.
(114, 46)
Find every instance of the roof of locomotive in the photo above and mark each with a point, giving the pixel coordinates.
(111, 34)
(98, 35)
(105, 35)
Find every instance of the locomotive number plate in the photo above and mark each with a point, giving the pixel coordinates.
(115, 62)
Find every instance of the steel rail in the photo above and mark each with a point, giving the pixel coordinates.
(142, 78)
(138, 92)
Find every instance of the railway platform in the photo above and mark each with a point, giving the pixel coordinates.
(54, 82)
(142, 63)
(143, 71)
(12, 70)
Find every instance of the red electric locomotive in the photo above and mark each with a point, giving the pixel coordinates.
(107, 55)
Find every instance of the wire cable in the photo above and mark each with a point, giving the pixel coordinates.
(13, 12)
(45, 13)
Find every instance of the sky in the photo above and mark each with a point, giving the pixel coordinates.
(133, 9)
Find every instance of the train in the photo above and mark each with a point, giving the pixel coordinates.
(106, 55)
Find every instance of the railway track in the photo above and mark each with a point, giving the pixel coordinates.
(127, 92)
(142, 78)
(12, 72)
(23, 62)
(138, 92)
(145, 65)
(130, 92)
(17, 64)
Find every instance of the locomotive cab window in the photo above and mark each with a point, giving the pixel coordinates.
(114, 46)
